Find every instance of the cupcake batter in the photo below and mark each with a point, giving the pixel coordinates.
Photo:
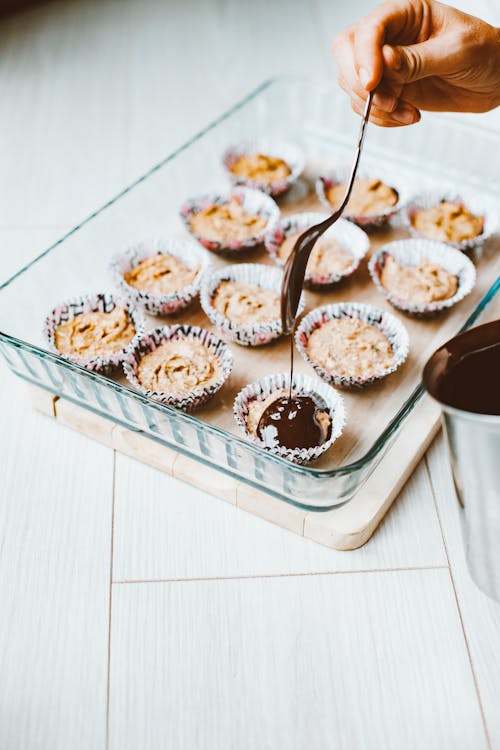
(261, 168)
(422, 284)
(351, 348)
(227, 223)
(369, 197)
(95, 334)
(327, 258)
(246, 303)
(179, 367)
(448, 222)
(161, 274)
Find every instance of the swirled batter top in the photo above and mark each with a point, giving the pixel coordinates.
(179, 366)
(246, 303)
(261, 168)
(351, 348)
(161, 274)
(424, 283)
(328, 256)
(369, 196)
(228, 222)
(95, 334)
(448, 222)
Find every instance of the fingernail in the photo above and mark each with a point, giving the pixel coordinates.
(385, 101)
(364, 77)
(405, 115)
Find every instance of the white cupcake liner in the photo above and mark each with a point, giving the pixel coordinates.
(290, 153)
(153, 339)
(476, 204)
(345, 232)
(367, 221)
(411, 253)
(160, 304)
(390, 326)
(251, 334)
(252, 201)
(326, 397)
(100, 302)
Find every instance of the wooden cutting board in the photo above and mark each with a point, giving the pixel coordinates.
(347, 527)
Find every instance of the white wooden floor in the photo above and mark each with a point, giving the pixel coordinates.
(138, 613)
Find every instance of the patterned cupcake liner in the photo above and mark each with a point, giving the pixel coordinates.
(160, 304)
(347, 234)
(390, 326)
(252, 201)
(101, 302)
(366, 221)
(411, 253)
(324, 395)
(251, 334)
(290, 154)
(155, 338)
(476, 204)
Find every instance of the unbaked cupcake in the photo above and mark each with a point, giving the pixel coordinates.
(229, 222)
(161, 276)
(94, 331)
(243, 302)
(351, 344)
(179, 365)
(336, 255)
(268, 165)
(422, 277)
(374, 198)
(462, 221)
(326, 406)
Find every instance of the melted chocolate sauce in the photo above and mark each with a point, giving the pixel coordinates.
(465, 372)
(291, 423)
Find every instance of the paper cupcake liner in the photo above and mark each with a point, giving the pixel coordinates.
(252, 201)
(475, 203)
(160, 304)
(412, 252)
(102, 302)
(347, 234)
(366, 221)
(251, 334)
(303, 385)
(153, 339)
(290, 154)
(390, 326)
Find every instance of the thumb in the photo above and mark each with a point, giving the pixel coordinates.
(414, 61)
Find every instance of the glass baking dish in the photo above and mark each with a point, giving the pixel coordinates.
(439, 151)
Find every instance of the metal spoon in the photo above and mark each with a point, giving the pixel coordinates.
(295, 268)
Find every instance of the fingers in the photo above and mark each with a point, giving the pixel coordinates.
(413, 62)
(404, 113)
(368, 61)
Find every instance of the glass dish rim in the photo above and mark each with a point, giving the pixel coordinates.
(320, 474)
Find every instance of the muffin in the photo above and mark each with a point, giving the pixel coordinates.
(93, 331)
(337, 253)
(462, 221)
(161, 276)
(179, 365)
(373, 199)
(243, 302)
(230, 222)
(351, 344)
(270, 166)
(318, 416)
(422, 277)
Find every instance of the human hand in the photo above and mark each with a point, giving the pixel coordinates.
(419, 55)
